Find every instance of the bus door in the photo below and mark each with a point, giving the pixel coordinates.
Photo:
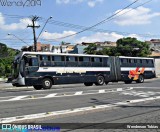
(115, 73)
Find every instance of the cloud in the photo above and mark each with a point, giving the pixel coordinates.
(96, 37)
(47, 35)
(22, 24)
(100, 37)
(90, 3)
(138, 16)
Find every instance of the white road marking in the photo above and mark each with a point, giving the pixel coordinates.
(18, 98)
(50, 95)
(69, 94)
(119, 89)
(102, 91)
(79, 93)
(75, 110)
(139, 93)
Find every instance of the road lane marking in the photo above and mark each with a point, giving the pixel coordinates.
(67, 94)
(102, 91)
(18, 98)
(82, 110)
(79, 93)
(139, 93)
(119, 89)
(51, 95)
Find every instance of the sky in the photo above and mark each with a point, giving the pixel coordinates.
(141, 20)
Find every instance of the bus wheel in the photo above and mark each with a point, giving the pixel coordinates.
(128, 82)
(100, 80)
(140, 79)
(47, 83)
(106, 83)
(88, 84)
(37, 87)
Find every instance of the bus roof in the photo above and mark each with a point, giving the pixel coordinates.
(50, 53)
(135, 57)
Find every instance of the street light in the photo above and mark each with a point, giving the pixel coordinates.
(18, 38)
(44, 27)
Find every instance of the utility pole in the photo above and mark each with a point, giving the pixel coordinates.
(33, 26)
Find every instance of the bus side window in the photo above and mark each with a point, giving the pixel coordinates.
(71, 61)
(105, 62)
(135, 61)
(151, 64)
(58, 61)
(86, 61)
(96, 62)
(122, 61)
(129, 60)
(144, 62)
(45, 61)
(138, 61)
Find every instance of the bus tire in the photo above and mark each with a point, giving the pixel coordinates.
(37, 87)
(140, 79)
(128, 82)
(88, 84)
(47, 83)
(100, 81)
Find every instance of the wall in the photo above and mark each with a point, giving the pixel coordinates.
(157, 66)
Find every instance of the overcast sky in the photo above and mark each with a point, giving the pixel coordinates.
(142, 22)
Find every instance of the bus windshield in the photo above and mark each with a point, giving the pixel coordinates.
(30, 64)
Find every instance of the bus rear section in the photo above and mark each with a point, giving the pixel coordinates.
(136, 69)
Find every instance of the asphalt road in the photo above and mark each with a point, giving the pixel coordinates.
(122, 103)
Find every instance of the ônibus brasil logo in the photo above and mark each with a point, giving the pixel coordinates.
(20, 3)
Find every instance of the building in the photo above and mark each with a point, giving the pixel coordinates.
(154, 44)
(43, 47)
(63, 48)
(40, 47)
(78, 49)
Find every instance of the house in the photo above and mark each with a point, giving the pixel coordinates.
(62, 48)
(40, 47)
(78, 49)
(154, 44)
(43, 47)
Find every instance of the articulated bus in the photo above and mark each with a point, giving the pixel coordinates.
(44, 69)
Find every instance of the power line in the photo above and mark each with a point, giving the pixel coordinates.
(64, 24)
(101, 22)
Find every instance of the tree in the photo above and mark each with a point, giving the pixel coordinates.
(6, 59)
(91, 49)
(132, 47)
